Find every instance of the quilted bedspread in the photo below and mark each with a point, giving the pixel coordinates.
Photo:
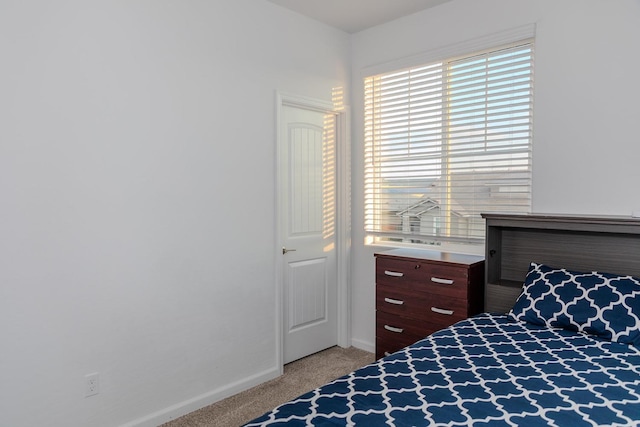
(488, 370)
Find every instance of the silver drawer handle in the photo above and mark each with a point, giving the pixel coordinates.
(393, 273)
(442, 311)
(392, 329)
(442, 281)
(394, 301)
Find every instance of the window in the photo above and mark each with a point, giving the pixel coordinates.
(447, 141)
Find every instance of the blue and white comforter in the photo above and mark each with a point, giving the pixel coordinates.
(485, 371)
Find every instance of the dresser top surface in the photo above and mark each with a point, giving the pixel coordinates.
(428, 255)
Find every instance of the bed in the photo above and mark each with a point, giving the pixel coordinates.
(564, 352)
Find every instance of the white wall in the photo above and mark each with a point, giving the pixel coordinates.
(137, 200)
(586, 109)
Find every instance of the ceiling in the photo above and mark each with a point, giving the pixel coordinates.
(356, 15)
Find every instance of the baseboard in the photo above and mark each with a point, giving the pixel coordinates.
(198, 402)
(364, 345)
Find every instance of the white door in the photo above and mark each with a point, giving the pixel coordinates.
(307, 147)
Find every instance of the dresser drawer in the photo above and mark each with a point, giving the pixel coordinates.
(395, 333)
(404, 328)
(385, 345)
(433, 278)
(433, 308)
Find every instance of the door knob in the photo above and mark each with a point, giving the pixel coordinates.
(285, 250)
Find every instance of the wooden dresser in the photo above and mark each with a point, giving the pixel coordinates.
(419, 292)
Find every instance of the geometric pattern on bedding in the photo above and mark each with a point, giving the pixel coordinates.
(596, 303)
(489, 370)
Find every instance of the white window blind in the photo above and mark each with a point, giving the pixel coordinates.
(447, 141)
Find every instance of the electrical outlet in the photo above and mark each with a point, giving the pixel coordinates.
(91, 384)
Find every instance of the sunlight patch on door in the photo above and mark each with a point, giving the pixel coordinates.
(329, 176)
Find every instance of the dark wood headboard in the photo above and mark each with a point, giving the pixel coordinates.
(582, 243)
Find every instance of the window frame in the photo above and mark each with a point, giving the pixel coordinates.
(495, 42)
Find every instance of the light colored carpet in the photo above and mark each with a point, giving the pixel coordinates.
(299, 377)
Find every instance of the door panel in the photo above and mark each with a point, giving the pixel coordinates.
(305, 145)
(307, 214)
(307, 304)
